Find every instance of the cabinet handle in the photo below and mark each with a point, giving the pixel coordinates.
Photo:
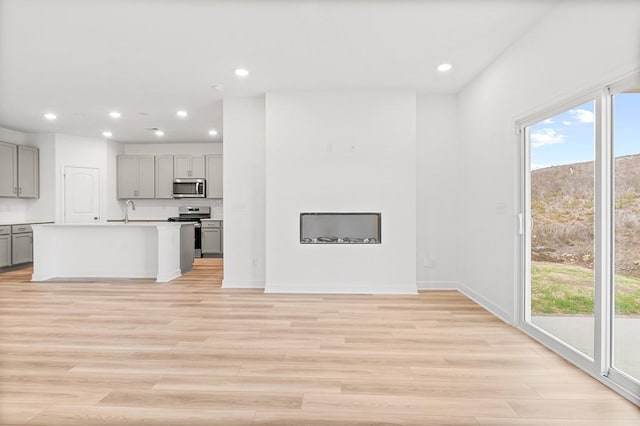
(15, 189)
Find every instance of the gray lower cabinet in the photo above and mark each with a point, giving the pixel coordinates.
(212, 239)
(22, 248)
(5, 246)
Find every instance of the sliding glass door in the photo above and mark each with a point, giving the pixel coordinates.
(626, 225)
(562, 178)
(581, 232)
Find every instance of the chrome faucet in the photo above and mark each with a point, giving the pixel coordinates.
(126, 210)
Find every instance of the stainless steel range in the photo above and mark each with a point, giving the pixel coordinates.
(194, 214)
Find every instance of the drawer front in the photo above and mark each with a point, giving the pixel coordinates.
(4, 230)
(212, 224)
(19, 229)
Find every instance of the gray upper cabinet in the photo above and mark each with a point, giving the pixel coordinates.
(214, 176)
(8, 170)
(188, 166)
(164, 176)
(19, 171)
(28, 172)
(136, 176)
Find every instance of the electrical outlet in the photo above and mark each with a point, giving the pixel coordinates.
(429, 263)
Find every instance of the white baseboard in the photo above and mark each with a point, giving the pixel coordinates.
(480, 300)
(438, 285)
(231, 283)
(486, 304)
(164, 278)
(41, 277)
(339, 288)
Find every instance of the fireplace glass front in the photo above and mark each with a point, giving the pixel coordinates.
(340, 228)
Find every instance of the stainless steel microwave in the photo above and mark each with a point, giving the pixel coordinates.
(189, 188)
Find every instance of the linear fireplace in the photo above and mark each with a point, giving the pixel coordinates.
(340, 228)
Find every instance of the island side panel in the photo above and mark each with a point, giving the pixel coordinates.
(45, 251)
(187, 250)
(97, 252)
(168, 253)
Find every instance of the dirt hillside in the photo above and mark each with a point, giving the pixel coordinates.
(562, 209)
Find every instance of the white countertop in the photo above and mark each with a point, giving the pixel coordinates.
(116, 224)
(25, 223)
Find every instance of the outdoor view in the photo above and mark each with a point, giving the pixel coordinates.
(626, 149)
(562, 235)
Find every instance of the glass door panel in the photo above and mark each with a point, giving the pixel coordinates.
(562, 190)
(626, 219)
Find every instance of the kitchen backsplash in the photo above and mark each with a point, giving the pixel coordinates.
(163, 209)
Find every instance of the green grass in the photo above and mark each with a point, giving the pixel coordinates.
(561, 289)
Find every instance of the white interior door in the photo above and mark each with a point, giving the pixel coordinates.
(81, 195)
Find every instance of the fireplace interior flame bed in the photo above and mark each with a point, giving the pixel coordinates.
(340, 228)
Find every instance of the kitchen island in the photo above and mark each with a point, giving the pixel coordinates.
(160, 250)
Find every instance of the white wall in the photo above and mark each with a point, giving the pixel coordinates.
(438, 214)
(44, 208)
(347, 151)
(577, 45)
(244, 191)
(18, 210)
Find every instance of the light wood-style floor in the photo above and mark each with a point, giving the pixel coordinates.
(189, 353)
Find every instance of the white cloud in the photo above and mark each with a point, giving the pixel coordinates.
(566, 123)
(548, 121)
(582, 115)
(546, 137)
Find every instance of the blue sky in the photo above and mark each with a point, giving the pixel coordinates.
(569, 137)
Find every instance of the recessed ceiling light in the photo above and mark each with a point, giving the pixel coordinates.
(444, 67)
(107, 134)
(159, 133)
(115, 114)
(241, 72)
(182, 114)
(50, 116)
(213, 132)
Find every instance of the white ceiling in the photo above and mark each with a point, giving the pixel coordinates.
(84, 58)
